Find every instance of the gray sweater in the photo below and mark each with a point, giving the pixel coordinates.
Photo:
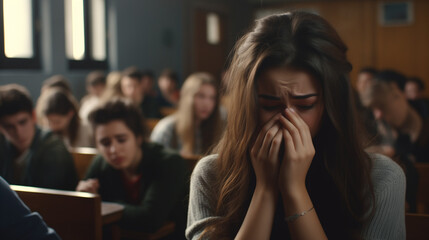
(388, 178)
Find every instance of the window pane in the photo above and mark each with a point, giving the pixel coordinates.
(75, 29)
(18, 34)
(98, 27)
(213, 28)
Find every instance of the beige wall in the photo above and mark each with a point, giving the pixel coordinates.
(404, 48)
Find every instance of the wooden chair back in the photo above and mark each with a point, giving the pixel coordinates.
(73, 215)
(417, 226)
(423, 188)
(165, 111)
(150, 123)
(82, 159)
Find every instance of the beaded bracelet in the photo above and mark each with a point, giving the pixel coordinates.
(296, 216)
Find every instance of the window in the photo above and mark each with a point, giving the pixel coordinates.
(213, 28)
(19, 34)
(85, 29)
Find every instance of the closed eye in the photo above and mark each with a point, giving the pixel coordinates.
(305, 107)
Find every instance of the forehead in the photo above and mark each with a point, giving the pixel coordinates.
(112, 127)
(129, 80)
(15, 118)
(207, 88)
(282, 81)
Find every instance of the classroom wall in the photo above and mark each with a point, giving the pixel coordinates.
(404, 48)
(144, 33)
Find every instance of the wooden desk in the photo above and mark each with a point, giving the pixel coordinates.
(111, 212)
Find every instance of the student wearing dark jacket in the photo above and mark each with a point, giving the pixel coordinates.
(144, 177)
(28, 155)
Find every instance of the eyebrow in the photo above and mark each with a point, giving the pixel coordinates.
(271, 97)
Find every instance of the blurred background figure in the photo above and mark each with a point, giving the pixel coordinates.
(197, 124)
(58, 81)
(58, 111)
(148, 81)
(134, 85)
(169, 93)
(131, 86)
(410, 132)
(29, 155)
(414, 88)
(95, 86)
(365, 79)
(113, 86)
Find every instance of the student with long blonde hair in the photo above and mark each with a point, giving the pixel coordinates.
(197, 125)
(290, 164)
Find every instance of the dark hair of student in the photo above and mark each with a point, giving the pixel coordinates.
(58, 81)
(369, 70)
(170, 74)
(118, 109)
(132, 72)
(148, 73)
(417, 81)
(338, 181)
(392, 76)
(58, 101)
(95, 78)
(14, 98)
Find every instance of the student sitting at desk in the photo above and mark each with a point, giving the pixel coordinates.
(28, 155)
(146, 178)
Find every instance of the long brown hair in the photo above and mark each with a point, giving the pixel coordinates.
(338, 180)
(211, 128)
(58, 101)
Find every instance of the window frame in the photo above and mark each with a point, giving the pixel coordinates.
(88, 63)
(23, 63)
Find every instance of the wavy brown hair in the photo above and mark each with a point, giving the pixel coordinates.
(211, 128)
(338, 180)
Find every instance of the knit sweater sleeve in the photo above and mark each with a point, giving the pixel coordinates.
(163, 132)
(388, 221)
(202, 197)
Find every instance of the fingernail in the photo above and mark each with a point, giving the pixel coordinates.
(291, 109)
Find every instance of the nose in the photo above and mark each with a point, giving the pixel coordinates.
(113, 148)
(378, 114)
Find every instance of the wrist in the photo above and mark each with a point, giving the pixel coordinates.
(294, 193)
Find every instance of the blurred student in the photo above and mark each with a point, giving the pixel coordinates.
(132, 87)
(144, 177)
(169, 93)
(28, 155)
(95, 86)
(17, 221)
(113, 86)
(197, 125)
(365, 78)
(290, 164)
(414, 88)
(411, 132)
(58, 112)
(57, 81)
(148, 81)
